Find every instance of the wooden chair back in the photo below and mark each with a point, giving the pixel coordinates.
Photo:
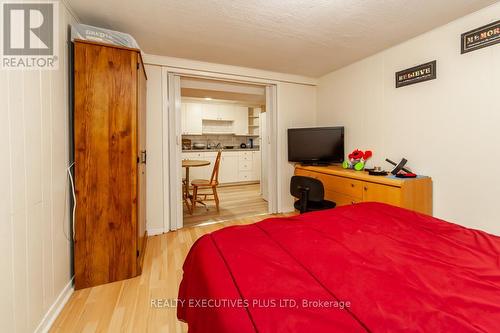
(215, 171)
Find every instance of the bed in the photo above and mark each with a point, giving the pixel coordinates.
(369, 267)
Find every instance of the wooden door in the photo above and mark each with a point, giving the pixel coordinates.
(381, 193)
(142, 158)
(105, 108)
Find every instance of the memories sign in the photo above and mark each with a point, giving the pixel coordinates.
(481, 37)
(420, 73)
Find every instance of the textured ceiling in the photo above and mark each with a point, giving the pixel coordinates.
(308, 37)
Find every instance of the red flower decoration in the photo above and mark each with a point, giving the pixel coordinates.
(357, 154)
(367, 154)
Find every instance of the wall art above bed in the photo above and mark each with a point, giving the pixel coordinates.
(420, 73)
(481, 37)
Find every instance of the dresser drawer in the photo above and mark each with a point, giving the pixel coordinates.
(341, 199)
(305, 173)
(347, 186)
(382, 193)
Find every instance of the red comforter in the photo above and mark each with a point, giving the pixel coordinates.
(364, 268)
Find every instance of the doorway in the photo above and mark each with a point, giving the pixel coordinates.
(212, 115)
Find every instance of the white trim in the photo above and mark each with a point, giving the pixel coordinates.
(155, 231)
(70, 10)
(165, 151)
(56, 308)
(273, 172)
(180, 65)
(175, 149)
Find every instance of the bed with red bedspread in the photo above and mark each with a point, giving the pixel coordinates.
(363, 268)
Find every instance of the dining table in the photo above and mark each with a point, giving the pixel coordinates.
(191, 164)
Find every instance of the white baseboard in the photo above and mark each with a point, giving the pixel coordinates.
(55, 308)
(155, 231)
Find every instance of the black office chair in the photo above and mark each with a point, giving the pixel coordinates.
(310, 193)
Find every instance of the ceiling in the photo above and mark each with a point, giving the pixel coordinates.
(307, 37)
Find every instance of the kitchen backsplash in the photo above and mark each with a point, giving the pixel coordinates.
(225, 140)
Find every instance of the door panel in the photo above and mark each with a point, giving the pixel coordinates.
(341, 199)
(105, 106)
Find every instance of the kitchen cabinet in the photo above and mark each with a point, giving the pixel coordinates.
(236, 166)
(240, 116)
(191, 118)
(217, 112)
(255, 165)
(229, 167)
(234, 116)
(245, 161)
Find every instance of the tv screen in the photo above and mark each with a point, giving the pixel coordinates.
(316, 145)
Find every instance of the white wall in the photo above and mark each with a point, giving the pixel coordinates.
(447, 128)
(296, 106)
(34, 198)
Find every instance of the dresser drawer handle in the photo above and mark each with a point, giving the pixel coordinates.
(366, 188)
(352, 185)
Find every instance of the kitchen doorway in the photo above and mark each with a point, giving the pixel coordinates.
(229, 118)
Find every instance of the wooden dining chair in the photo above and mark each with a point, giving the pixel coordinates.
(203, 184)
(185, 195)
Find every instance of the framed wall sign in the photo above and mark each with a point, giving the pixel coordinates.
(481, 37)
(420, 73)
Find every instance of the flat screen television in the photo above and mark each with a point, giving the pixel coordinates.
(316, 145)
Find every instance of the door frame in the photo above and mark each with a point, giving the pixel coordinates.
(172, 138)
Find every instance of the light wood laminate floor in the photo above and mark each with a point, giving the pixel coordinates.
(125, 306)
(236, 201)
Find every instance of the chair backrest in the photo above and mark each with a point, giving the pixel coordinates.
(215, 171)
(311, 187)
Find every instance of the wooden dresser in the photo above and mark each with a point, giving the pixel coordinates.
(110, 163)
(346, 187)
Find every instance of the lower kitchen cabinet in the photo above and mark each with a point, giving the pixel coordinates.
(228, 167)
(236, 166)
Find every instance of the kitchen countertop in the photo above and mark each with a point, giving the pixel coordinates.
(214, 150)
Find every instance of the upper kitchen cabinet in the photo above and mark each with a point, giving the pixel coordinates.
(218, 112)
(240, 123)
(192, 118)
(204, 118)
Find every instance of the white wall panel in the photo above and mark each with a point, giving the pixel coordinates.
(296, 108)
(154, 142)
(6, 220)
(34, 201)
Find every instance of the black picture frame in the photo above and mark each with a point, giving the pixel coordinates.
(417, 74)
(481, 37)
